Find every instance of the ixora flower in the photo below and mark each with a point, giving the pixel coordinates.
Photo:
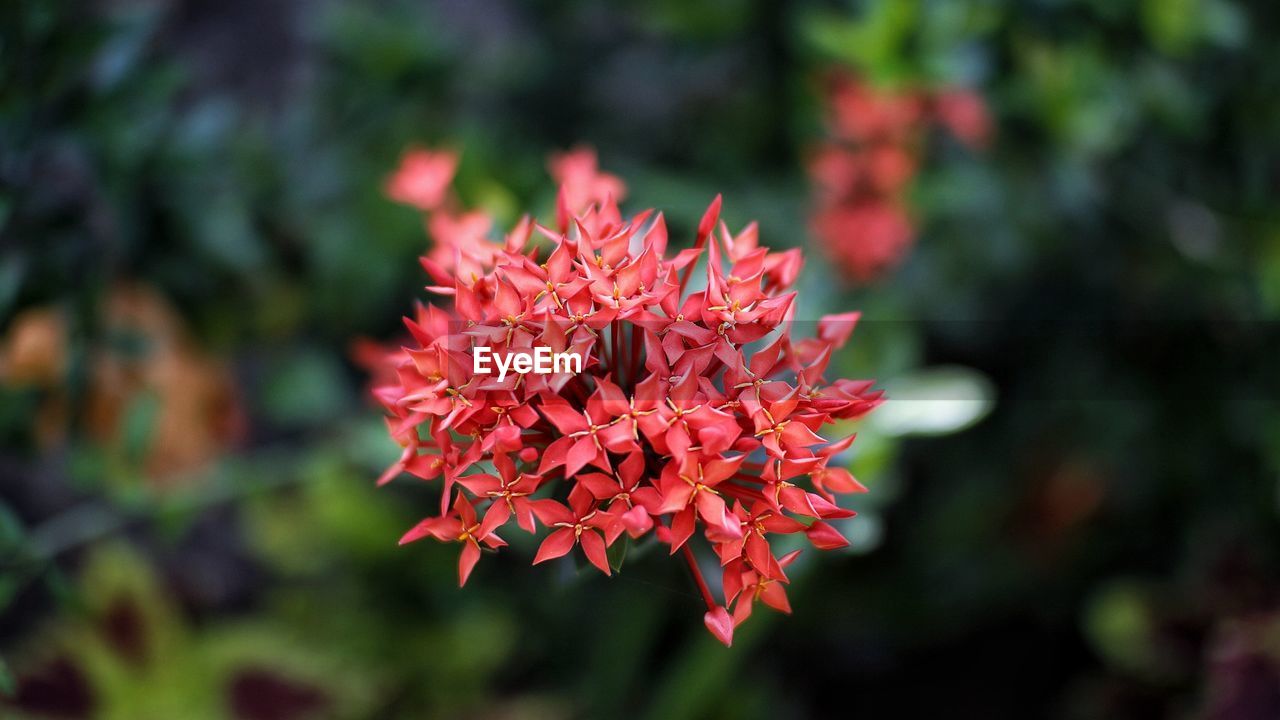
(862, 173)
(423, 178)
(694, 418)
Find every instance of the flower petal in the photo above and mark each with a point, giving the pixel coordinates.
(681, 528)
(557, 544)
(720, 624)
(467, 561)
(582, 452)
(594, 548)
(825, 537)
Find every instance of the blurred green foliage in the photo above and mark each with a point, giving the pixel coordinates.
(1106, 277)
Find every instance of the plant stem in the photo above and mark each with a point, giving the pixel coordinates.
(697, 577)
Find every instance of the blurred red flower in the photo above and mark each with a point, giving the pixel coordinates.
(863, 172)
(581, 182)
(964, 114)
(867, 239)
(423, 178)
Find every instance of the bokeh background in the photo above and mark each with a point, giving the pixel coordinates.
(1075, 493)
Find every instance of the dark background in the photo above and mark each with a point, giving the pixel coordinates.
(193, 237)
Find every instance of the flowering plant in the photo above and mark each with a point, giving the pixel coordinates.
(862, 172)
(695, 413)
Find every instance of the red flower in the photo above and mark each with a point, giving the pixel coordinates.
(459, 526)
(675, 428)
(509, 493)
(462, 244)
(965, 115)
(863, 172)
(747, 585)
(423, 178)
(580, 523)
(867, 239)
(861, 113)
(581, 182)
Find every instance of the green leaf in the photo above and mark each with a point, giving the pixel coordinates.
(11, 270)
(875, 43)
(139, 423)
(1173, 25)
(1225, 24)
(1117, 622)
(305, 388)
(7, 684)
(11, 529)
(10, 583)
(617, 552)
(1268, 283)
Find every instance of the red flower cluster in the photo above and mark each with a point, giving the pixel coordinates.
(695, 411)
(863, 172)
